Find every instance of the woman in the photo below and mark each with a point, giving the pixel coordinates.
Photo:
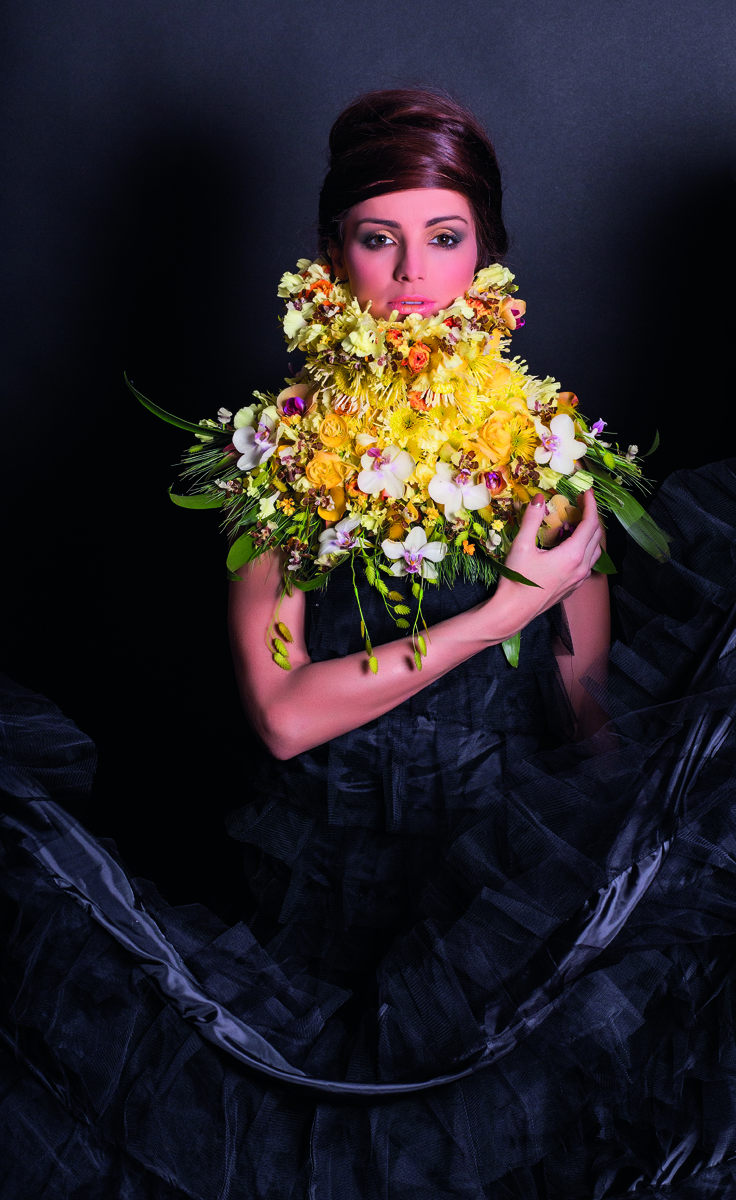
(484, 961)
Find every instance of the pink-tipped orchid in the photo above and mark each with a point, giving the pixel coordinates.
(339, 538)
(385, 471)
(415, 555)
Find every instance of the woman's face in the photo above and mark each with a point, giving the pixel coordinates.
(414, 251)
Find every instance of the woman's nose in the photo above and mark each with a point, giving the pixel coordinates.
(410, 266)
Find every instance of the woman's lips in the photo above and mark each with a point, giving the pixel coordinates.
(409, 304)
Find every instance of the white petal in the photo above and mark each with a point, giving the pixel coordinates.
(392, 549)
(249, 460)
(445, 471)
(391, 452)
(367, 462)
(244, 438)
(563, 462)
(390, 483)
(347, 525)
(563, 426)
(428, 570)
(541, 455)
(577, 449)
(399, 568)
(476, 496)
(415, 539)
(435, 551)
(369, 482)
(402, 465)
(445, 493)
(267, 453)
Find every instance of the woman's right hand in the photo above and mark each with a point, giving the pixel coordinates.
(557, 572)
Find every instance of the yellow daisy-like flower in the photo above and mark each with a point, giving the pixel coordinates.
(524, 438)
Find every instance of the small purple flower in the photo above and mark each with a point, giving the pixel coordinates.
(294, 406)
(598, 427)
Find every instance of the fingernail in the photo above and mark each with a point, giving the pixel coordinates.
(538, 499)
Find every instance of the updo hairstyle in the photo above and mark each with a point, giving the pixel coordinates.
(402, 138)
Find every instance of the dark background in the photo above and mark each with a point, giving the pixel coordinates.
(161, 164)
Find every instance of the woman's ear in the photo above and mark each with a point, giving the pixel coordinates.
(337, 258)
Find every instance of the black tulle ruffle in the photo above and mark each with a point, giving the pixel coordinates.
(452, 890)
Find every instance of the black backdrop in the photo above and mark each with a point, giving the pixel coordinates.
(161, 163)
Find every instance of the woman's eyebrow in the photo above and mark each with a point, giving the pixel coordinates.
(441, 220)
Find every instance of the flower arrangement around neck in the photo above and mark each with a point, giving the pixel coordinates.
(409, 448)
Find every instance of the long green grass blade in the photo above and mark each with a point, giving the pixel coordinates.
(165, 416)
(640, 526)
(310, 584)
(509, 574)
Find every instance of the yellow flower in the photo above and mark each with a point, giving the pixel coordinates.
(333, 431)
(423, 473)
(524, 438)
(497, 525)
(326, 470)
(402, 423)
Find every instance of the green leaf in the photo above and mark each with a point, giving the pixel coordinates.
(402, 610)
(310, 584)
(396, 596)
(402, 624)
(511, 648)
(166, 416)
(234, 578)
(479, 529)
(640, 526)
(509, 574)
(605, 565)
(655, 445)
(373, 664)
(242, 551)
(203, 500)
(285, 632)
(280, 647)
(368, 647)
(422, 645)
(417, 660)
(282, 662)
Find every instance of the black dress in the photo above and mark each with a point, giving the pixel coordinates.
(484, 962)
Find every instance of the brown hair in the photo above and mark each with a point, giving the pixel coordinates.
(402, 138)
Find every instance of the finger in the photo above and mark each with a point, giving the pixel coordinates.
(534, 514)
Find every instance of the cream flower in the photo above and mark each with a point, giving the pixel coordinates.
(385, 471)
(415, 555)
(455, 489)
(559, 447)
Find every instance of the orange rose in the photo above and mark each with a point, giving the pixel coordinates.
(394, 337)
(418, 357)
(494, 437)
(333, 431)
(326, 470)
(512, 312)
(417, 401)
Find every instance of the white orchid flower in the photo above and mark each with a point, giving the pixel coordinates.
(455, 489)
(415, 555)
(559, 447)
(385, 471)
(255, 443)
(340, 537)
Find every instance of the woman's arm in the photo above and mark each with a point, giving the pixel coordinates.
(588, 613)
(314, 702)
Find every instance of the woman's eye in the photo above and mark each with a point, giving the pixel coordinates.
(445, 239)
(375, 241)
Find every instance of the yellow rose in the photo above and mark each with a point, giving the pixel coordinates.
(494, 437)
(423, 473)
(326, 470)
(333, 431)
